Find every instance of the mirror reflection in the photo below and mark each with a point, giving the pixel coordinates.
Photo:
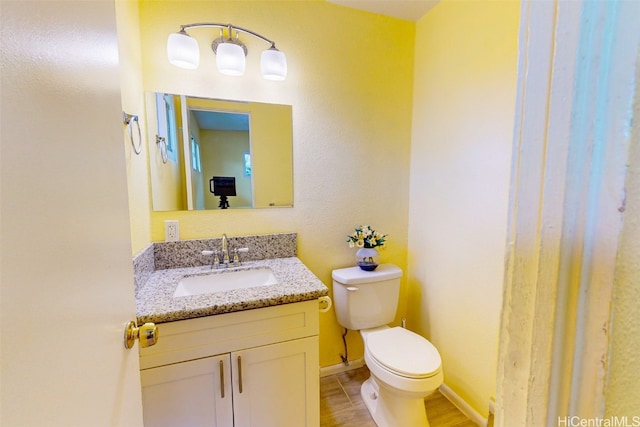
(219, 154)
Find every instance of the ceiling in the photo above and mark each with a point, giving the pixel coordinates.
(221, 120)
(409, 10)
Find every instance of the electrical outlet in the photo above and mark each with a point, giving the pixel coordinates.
(171, 231)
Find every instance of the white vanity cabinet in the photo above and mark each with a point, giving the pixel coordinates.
(254, 368)
(189, 393)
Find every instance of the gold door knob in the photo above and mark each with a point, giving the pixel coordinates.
(147, 334)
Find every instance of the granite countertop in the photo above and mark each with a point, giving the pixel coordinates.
(155, 301)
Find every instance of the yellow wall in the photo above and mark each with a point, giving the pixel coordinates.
(464, 97)
(167, 172)
(271, 151)
(198, 186)
(350, 84)
(133, 102)
(222, 152)
(271, 155)
(623, 382)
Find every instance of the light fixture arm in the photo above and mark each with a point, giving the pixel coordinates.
(229, 27)
(230, 51)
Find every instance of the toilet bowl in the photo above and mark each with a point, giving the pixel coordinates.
(405, 367)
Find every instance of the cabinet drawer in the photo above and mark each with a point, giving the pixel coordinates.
(204, 336)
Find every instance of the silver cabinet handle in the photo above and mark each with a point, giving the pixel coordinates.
(239, 374)
(222, 379)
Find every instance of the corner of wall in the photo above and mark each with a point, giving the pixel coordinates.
(133, 102)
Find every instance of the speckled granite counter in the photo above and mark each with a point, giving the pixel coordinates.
(155, 301)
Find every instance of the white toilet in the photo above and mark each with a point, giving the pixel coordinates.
(405, 367)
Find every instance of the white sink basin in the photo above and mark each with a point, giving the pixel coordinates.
(224, 281)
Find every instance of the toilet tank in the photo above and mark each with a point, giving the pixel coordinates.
(366, 299)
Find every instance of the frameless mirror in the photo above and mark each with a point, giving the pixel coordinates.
(219, 154)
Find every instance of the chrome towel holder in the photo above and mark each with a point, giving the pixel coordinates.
(127, 119)
(162, 146)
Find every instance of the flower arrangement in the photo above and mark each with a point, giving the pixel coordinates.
(366, 237)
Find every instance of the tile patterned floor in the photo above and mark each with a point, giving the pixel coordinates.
(342, 406)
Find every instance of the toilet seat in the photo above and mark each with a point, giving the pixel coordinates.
(404, 353)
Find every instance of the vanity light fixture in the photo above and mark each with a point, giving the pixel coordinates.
(183, 51)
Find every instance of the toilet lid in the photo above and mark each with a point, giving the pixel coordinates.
(404, 352)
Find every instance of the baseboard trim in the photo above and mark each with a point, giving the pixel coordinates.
(463, 406)
(336, 369)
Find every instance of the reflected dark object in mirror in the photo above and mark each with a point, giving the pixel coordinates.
(223, 186)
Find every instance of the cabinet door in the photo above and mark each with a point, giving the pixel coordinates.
(189, 394)
(277, 385)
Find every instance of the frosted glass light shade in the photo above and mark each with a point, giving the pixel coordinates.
(183, 51)
(273, 64)
(230, 59)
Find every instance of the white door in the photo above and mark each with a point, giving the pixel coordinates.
(66, 274)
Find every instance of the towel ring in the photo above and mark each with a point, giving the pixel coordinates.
(162, 146)
(127, 119)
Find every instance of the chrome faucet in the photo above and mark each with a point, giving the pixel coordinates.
(225, 250)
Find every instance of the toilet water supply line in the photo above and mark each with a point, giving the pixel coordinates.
(345, 357)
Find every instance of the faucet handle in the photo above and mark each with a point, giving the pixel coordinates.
(236, 257)
(215, 261)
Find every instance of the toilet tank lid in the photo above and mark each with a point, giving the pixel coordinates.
(356, 275)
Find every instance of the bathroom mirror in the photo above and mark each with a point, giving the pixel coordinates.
(194, 140)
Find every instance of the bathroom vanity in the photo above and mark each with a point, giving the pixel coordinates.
(244, 357)
(249, 368)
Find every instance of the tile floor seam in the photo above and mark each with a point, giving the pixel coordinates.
(344, 391)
